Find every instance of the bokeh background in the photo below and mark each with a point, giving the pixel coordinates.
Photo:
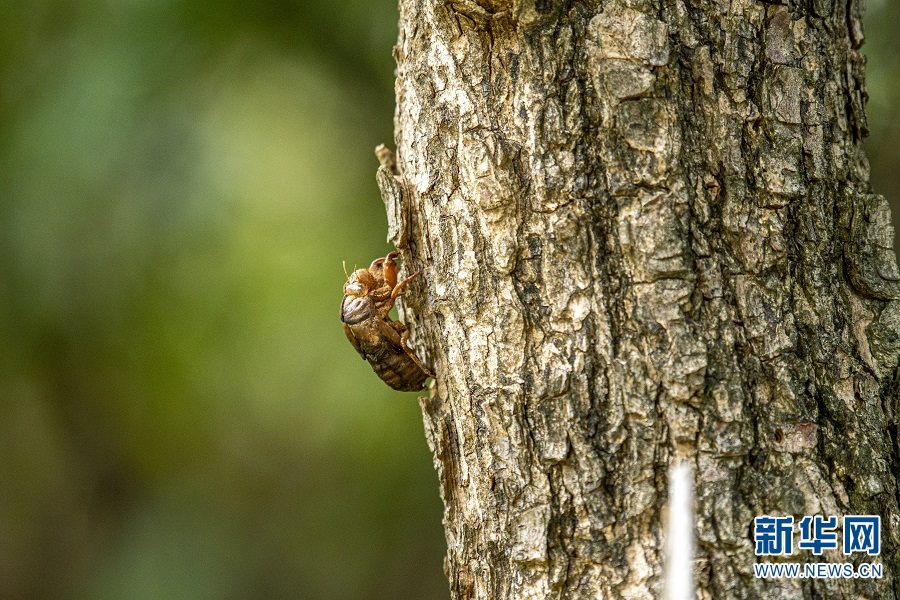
(180, 414)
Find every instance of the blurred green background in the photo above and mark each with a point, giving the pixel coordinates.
(181, 416)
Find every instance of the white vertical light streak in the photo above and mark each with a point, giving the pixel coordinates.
(680, 535)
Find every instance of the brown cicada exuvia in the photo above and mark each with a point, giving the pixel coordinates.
(369, 295)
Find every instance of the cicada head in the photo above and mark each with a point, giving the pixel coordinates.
(360, 283)
(357, 304)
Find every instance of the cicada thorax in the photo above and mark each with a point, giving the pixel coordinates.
(383, 273)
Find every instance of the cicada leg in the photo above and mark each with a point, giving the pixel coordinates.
(390, 270)
(399, 287)
(404, 335)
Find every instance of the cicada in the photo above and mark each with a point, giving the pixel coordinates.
(369, 295)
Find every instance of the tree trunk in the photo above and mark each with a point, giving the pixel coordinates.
(647, 235)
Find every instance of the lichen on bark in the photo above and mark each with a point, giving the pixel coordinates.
(647, 234)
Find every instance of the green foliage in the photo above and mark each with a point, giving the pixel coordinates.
(181, 414)
(882, 21)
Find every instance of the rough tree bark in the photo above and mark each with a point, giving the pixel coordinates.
(647, 234)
